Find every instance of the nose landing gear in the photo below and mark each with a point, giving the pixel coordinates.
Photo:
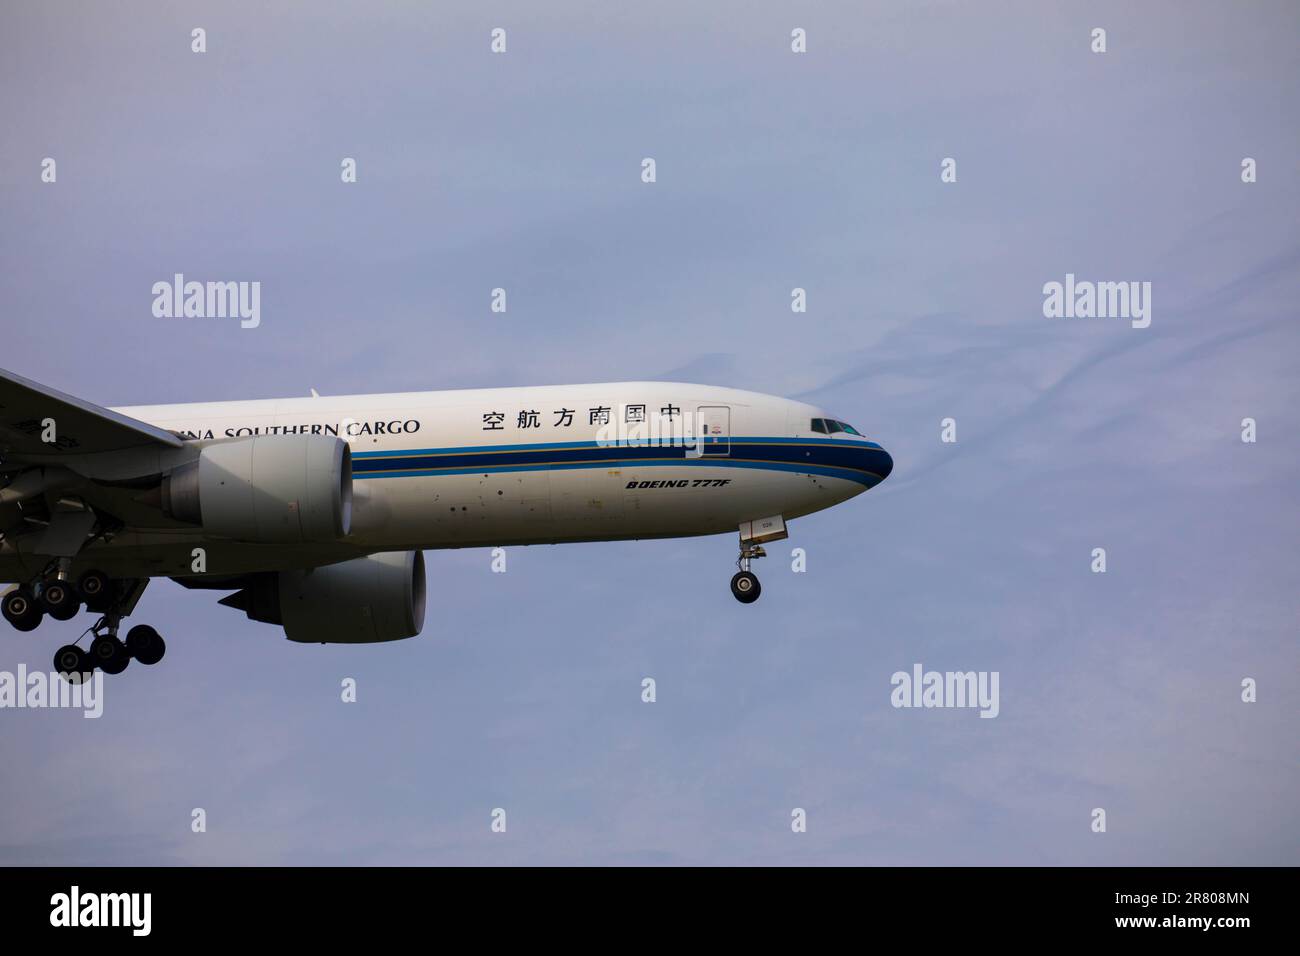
(753, 534)
(744, 584)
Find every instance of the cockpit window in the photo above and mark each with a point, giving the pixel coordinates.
(829, 426)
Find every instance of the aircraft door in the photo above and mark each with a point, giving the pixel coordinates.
(714, 430)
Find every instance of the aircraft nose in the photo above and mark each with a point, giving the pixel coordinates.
(878, 462)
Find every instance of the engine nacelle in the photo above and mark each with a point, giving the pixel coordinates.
(363, 601)
(280, 489)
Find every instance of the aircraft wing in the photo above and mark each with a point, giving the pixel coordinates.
(79, 427)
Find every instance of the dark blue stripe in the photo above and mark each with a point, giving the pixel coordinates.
(864, 462)
(848, 475)
(592, 444)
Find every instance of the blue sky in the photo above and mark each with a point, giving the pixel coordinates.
(775, 170)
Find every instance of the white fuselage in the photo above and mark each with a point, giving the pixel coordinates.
(535, 465)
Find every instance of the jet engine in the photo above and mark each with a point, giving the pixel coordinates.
(278, 489)
(363, 601)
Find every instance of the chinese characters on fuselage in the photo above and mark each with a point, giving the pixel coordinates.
(494, 421)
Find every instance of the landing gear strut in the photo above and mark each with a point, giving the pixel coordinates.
(744, 584)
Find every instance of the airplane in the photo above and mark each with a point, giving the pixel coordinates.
(314, 512)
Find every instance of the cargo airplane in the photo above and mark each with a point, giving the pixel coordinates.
(313, 512)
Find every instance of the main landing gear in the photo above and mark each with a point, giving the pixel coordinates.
(53, 593)
(744, 584)
(107, 652)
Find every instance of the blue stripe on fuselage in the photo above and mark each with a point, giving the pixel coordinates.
(863, 462)
(544, 446)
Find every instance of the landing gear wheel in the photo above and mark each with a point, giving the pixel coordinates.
(72, 663)
(109, 653)
(745, 587)
(60, 601)
(145, 644)
(21, 610)
(96, 590)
